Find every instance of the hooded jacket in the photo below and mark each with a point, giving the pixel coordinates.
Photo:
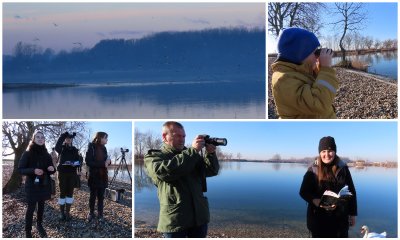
(299, 94)
(178, 176)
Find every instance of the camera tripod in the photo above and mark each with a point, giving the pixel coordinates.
(122, 164)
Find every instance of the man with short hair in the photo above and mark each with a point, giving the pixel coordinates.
(180, 176)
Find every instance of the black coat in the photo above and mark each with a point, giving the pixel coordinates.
(319, 219)
(98, 174)
(36, 157)
(66, 153)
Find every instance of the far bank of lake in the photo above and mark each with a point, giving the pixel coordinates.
(249, 199)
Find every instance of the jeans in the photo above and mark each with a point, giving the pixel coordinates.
(193, 232)
(29, 213)
(98, 193)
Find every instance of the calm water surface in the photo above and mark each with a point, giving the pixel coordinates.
(262, 200)
(384, 63)
(195, 100)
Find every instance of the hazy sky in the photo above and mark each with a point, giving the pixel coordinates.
(60, 25)
(381, 23)
(373, 141)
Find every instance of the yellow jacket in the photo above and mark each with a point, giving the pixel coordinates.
(298, 94)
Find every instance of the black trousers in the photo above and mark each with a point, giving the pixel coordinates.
(29, 213)
(97, 192)
(67, 183)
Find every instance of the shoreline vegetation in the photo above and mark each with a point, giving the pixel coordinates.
(118, 216)
(360, 96)
(355, 64)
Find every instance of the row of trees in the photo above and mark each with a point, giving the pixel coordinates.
(17, 135)
(166, 50)
(356, 41)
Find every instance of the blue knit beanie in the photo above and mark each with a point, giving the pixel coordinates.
(295, 44)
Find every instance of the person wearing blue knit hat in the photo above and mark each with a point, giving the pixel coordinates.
(304, 84)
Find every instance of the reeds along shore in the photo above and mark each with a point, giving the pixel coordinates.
(360, 96)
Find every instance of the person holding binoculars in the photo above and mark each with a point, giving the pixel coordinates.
(69, 160)
(97, 160)
(180, 176)
(36, 164)
(304, 84)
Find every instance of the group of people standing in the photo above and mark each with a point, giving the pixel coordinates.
(37, 165)
(180, 173)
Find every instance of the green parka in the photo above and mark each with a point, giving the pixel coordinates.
(179, 176)
(299, 94)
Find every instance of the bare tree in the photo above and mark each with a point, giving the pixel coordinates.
(239, 156)
(145, 142)
(352, 17)
(369, 41)
(16, 137)
(348, 40)
(377, 44)
(294, 14)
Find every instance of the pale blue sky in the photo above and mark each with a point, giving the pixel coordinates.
(373, 141)
(381, 23)
(119, 133)
(59, 25)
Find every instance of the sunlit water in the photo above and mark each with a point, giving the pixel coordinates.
(224, 99)
(384, 63)
(262, 199)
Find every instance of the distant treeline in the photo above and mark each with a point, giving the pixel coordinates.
(213, 49)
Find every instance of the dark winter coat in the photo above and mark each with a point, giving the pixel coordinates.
(66, 153)
(98, 174)
(36, 157)
(319, 219)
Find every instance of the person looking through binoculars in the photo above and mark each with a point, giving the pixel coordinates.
(180, 176)
(36, 164)
(304, 84)
(67, 176)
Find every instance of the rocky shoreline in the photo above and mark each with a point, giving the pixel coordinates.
(117, 224)
(360, 96)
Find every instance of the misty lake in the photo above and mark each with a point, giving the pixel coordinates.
(117, 99)
(250, 199)
(381, 63)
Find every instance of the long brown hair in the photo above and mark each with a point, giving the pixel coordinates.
(327, 172)
(97, 138)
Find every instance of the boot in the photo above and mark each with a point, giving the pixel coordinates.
(91, 217)
(28, 234)
(40, 228)
(62, 214)
(67, 210)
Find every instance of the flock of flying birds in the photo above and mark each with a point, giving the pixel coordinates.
(36, 39)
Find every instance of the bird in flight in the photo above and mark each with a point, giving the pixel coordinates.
(55, 25)
(36, 39)
(77, 43)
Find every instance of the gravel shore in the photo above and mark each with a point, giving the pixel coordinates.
(360, 96)
(117, 224)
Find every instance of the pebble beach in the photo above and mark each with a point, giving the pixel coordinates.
(117, 224)
(360, 96)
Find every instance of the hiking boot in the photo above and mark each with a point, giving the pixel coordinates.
(67, 210)
(62, 213)
(91, 217)
(42, 232)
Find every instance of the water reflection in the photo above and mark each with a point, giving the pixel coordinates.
(382, 63)
(236, 100)
(251, 199)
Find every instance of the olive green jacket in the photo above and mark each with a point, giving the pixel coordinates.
(178, 176)
(299, 93)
